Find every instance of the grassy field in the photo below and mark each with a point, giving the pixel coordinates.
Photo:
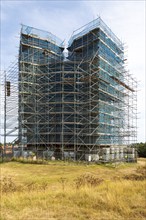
(70, 191)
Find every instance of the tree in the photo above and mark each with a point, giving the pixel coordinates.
(141, 149)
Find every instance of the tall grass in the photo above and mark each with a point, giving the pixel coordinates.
(87, 193)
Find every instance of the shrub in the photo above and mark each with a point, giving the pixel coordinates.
(87, 180)
(7, 184)
(141, 149)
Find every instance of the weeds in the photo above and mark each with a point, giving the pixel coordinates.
(7, 184)
(142, 170)
(87, 180)
(74, 192)
(139, 175)
(29, 160)
(63, 182)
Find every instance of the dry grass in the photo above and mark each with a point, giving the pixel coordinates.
(67, 191)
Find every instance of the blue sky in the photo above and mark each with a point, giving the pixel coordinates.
(125, 18)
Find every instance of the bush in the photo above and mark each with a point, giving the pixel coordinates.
(87, 180)
(7, 184)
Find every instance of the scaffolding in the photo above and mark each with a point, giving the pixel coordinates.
(9, 107)
(79, 106)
